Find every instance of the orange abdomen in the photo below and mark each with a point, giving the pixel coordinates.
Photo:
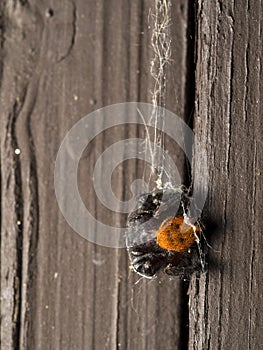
(175, 234)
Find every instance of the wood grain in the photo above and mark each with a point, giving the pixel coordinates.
(60, 61)
(225, 307)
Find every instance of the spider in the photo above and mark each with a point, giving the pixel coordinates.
(159, 238)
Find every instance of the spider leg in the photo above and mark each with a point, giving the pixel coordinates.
(183, 264)
(147, 258)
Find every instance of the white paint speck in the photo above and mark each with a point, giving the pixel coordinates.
(17, 151)
(75, 97)
(55, 275)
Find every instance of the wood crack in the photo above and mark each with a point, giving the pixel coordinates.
(229, 122)
(246, 77)
(11, 143)
(31, 215)
(253, 253)
(73, 33)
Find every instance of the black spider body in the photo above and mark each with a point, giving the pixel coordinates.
(146, 256)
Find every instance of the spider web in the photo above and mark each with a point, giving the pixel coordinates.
(161, 46)
(160, 20)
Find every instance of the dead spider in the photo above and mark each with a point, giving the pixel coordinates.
(160, 236)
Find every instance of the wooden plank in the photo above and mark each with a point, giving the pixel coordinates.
(152, 313)
(225, 307)
(60, 61)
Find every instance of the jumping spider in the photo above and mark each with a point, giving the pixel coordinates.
(160, 237)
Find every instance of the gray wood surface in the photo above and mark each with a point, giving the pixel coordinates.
(59, 61)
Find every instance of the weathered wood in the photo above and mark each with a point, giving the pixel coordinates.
(60, 61)
(225, 304)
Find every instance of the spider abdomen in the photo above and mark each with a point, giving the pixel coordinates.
(175, 234)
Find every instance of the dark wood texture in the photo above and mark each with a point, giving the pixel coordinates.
(225, 306)
(60, 60)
